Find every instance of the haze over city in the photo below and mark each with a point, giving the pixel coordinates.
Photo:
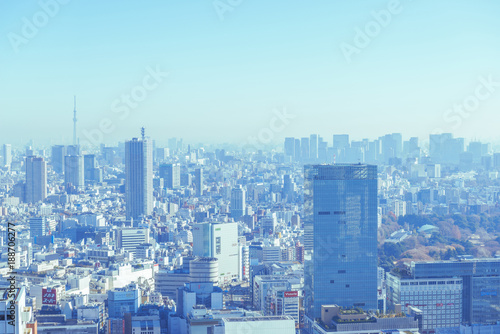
(230, 67)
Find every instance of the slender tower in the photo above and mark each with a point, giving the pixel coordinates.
(74, 122)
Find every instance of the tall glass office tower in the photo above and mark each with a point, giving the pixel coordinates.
(138, 177)
(340, 221)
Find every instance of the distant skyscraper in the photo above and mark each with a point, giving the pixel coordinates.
(29, 151)
(73, 171)
(36, 179)
(340, 208)
(73, 150)
(304, 146)
(198, 179)
(7, 154)
(138, 177)
(89, 166)
(57, 160)
(340, 142)
(313, 148)
(297, 150)
(322, 150)
(74, 123)
(171, 174)
(290, 148)
(237, 202)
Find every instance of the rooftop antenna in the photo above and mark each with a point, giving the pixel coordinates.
(74, 122)
(143, 133)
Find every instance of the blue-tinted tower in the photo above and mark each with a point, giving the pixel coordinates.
(340, 221)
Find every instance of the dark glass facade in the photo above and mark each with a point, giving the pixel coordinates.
(340, 221)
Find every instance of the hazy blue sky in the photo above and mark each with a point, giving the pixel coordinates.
(228, 71)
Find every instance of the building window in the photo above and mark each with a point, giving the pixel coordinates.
(332, 281)
(347, 285)
(217, 245)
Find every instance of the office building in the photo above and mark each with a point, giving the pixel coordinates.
(129, 239)
(304, 147)
(198, 181)
(123, 301)
(218, 240)
(259, 325)
(313, 148)
(73, 171)
(73, 150)
(340, 223)
(38, 226)
(171, 174)
(57, 159)
(90, 170)
(138, 178)
(440, 300)
(290, 148)
(36, 179)
(238, 202)
(341, 142)
(481, 285)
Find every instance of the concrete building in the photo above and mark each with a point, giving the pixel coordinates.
(219, 240)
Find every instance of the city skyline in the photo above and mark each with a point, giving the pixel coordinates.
(257, 167)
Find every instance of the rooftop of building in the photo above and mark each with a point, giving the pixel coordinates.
(263, 318)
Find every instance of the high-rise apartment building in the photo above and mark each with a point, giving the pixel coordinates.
(7, 154)
(138, 177)
(340, 223)
(36, 179)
